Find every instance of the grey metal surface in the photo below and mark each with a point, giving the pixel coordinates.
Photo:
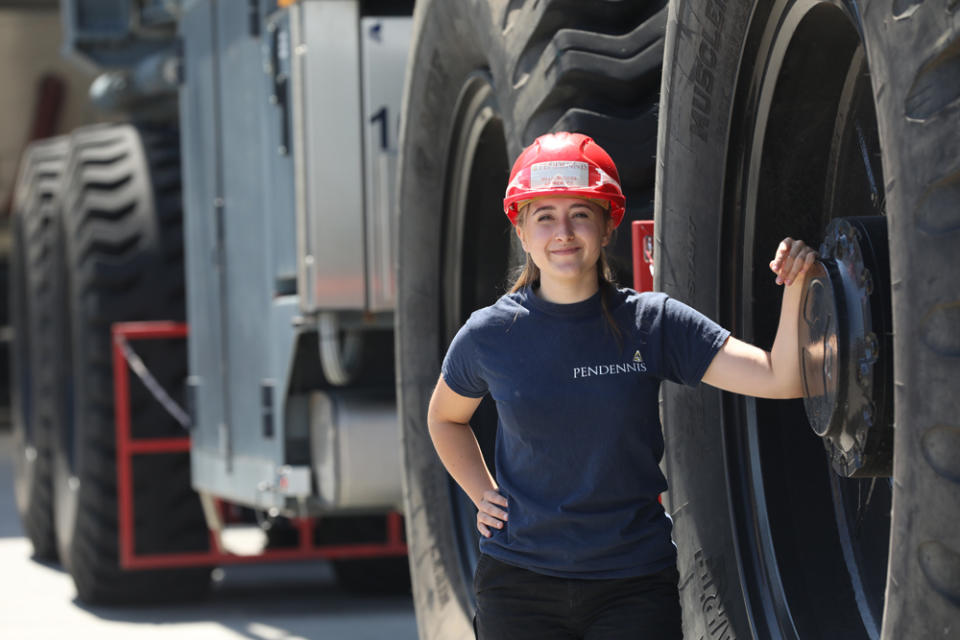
(239, 236)
(39, 5)
(256, 348)
(149, 87)
(384, 45)
(347, 84)
(267, 602)
(277, 161)
(328, 153)
(200, 157)
(272, 145)
(249, 480)
(356, 450)
(115, 34)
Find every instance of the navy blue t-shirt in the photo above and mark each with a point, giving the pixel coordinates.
(579, 439)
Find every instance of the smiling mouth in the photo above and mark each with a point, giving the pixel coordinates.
(565, 252)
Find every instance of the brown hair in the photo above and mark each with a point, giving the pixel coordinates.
(529, 275)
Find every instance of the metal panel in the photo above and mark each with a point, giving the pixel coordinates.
(114, 33)
(238, 198)
(355, 440)
(327, 154)
(199, 148)
(248, 481)
(248, 204)
(277, 160)
(385, 44)
(247, 293)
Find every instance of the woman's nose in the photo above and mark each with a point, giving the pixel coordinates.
(564, 229)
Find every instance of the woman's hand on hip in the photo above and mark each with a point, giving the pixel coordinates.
(491, 512)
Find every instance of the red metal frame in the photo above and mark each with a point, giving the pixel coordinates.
(127, 447)
(641, 233)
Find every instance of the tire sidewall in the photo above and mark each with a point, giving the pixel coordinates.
(920, 159)
(33, 304)
(688, 221)
(434, 79)
(25, 465)
(102, 287)
(71, 474)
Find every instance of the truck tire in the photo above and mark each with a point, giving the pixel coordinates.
(484, 79)
(33, 318)
(122, 261)
(366, 576)
(380, 576)
(776, 118)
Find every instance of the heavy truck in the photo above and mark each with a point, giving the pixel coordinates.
(308, 192)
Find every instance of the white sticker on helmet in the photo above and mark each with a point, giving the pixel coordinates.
(559, 173)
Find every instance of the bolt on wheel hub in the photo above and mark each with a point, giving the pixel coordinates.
(846, 357)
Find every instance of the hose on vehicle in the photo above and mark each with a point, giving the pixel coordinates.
(340, 350)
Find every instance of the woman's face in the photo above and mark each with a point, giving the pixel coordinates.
(564, 236)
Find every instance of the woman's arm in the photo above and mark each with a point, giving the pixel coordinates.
(743, 368)
(448, 419)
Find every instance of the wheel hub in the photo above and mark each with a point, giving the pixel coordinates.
(846, 347)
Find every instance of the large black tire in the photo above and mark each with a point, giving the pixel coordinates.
(484, 80)
(33, 310)
(777, 117)
(122, 261)
(364, 576)
(379, 576)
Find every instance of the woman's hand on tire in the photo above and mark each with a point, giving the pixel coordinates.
(792, 260)
(491, 512)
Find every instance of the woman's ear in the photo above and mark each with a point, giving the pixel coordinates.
(519, 229)
(608, 232)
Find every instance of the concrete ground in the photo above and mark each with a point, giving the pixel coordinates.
(267, 602)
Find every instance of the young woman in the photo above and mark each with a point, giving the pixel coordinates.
(575, 543)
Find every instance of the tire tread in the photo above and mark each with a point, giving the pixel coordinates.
(124, 265)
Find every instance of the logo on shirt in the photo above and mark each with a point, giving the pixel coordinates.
(612, 369)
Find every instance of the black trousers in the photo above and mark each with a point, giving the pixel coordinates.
(517, 604)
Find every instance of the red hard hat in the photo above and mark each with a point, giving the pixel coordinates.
(564, 164)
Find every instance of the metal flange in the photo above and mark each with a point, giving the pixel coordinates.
(845, 337)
